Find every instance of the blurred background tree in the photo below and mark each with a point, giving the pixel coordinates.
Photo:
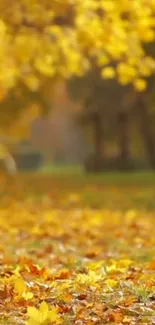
(112, 111)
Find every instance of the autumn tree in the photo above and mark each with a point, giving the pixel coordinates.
(63, 38)
(59, 39)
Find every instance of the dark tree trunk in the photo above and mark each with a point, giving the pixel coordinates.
(94, 163)
(98, 135)
(124, 138)
(146, 128)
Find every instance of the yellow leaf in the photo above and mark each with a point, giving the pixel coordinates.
(17, 271)
(140, 84)
(27, 295)
(111, 283)
(90, 278)
(43, 312)
(20, 286)
(108, 73)
(127, 72)
(148, 36)
(131, 215)
(33, 313)
(111, 268)
(43, 315)
(108, 5)
(125, 263)
(2, 27)
(32, 82)
(53, 316)
(43, 307)
(102, 60)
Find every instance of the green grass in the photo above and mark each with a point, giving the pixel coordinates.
(77, 174)
(63, 170)
(109, 190)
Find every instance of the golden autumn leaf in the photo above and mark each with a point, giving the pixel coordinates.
(20, 286)
(111, 283)
(140, 85)
(108, 73)
(90, 278)
(43, 316)
(21, 289)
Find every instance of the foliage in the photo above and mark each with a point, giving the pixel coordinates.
(55, 40)
(65, 261)
(58, 39)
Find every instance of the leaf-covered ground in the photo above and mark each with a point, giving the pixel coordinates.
(76, 252)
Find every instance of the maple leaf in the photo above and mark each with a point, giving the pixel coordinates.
(43, 316)
(90, 278)
(111, 283)
(20, 288)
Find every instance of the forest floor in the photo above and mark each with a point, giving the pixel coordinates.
(77, 249)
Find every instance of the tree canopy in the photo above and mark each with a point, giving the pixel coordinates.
(61, 38)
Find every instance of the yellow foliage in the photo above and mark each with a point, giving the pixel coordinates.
(21, 127)
(126, 72)
(60, 38)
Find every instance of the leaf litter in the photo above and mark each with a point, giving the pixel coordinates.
(76, 265)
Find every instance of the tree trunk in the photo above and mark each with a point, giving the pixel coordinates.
(98, 135)
(124, 138)
(94, 163)
(146, 128)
